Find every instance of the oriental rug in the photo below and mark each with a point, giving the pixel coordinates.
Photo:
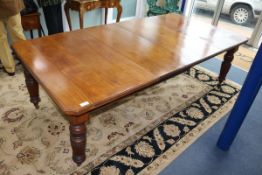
(140, 134)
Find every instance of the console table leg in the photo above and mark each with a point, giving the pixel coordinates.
(81, 17)
(32, 87)
(78, 138)
(31, 34)
(66, 8)
(106, 14)
(119, 13)
(228, 58)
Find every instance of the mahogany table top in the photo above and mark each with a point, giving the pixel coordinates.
(85, 69)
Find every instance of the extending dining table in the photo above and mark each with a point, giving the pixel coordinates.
(86, 69)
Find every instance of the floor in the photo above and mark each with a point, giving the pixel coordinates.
(245, 155)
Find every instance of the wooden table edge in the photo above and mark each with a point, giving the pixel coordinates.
(112, 99)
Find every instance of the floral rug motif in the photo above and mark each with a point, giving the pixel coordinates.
(140, 134)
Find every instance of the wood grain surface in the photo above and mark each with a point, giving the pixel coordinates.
(85, 69)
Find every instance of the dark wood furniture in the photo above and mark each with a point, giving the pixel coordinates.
(86, 69)
(86, 5)
(32, 22)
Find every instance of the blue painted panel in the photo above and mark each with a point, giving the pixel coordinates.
(246, 97)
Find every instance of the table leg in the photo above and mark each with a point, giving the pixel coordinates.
(119, 12)
(32, 87)
(66, 8)
(106, 14)
(228, 58)
(81, 16)
(31, 34)
(39, 33)
(78, 138)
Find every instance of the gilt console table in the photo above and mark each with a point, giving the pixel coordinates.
(86, 69)
(86, 5)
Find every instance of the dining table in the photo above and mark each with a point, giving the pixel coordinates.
(87, 69)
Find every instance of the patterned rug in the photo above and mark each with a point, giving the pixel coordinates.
(140, 134)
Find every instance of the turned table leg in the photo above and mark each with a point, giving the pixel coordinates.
(32, 87)
(228, 58)
(78, 138)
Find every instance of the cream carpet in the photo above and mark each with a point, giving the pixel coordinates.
(140, 134)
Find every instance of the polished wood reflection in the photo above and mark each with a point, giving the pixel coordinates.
(86, 69)
(87, 5)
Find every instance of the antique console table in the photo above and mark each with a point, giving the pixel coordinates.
(32, 22)
(86, 5)
(86, 69)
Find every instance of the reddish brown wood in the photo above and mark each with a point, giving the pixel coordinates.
(99, 65)
(83, 6)
(33, 88)
(31, 22)
(86, 69)
(78, 142)
(226, 64)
